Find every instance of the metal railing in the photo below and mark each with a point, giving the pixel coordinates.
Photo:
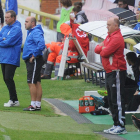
(38, 13)
(131, 42)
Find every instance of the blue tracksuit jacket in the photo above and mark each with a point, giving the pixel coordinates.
(10, 44)
(11, 5)
(34, 44)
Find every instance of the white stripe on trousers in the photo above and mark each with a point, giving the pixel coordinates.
(119, 98)
(34, 71)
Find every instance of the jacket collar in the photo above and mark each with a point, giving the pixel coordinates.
(12, 24)
(30, 30)
(114, 33)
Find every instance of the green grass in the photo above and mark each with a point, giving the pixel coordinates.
(45, 124)
(49, 136)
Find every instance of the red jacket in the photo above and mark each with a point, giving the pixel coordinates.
(81, 37)
(112, 55)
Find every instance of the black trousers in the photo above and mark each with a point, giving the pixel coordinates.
(134, 103)
(115, 82)
(105, 99)
(8, 72)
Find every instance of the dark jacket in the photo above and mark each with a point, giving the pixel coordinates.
(1, 14)
(136, 70)
(81, 18)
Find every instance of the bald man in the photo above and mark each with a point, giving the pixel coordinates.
(32, 54)
(111, 51)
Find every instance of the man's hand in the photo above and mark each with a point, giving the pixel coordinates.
(71, 17)
(136, 93)
(103, 48)
(101, 44)
(31, 59)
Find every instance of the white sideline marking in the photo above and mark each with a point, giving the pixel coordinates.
(6, 137)
(2, 130)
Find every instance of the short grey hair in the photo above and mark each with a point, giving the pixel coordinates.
(33, 19)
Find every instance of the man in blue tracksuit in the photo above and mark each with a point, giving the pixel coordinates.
(11, 5)
(10, 47)
(32, 54)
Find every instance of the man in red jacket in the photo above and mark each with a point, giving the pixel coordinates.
(111, 50)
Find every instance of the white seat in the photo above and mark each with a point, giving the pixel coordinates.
(98, 10)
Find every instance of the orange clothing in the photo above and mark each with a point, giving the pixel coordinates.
(55, 49)
(51, 58)
(65, 29)
(72, 55)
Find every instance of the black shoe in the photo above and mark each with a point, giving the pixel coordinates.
(136, 122)
(99, 112)
(46, 77)
(38, 108)
(30, 108)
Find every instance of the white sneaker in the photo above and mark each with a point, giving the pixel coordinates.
(16, 103)
(110, 129)
(55, 78)
(118, 130)
(11, 103)
(68, 77)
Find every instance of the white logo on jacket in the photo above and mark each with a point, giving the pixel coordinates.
(8, 33)
(108, 38)
(111, 59)
(80, 33)
(113, 85)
